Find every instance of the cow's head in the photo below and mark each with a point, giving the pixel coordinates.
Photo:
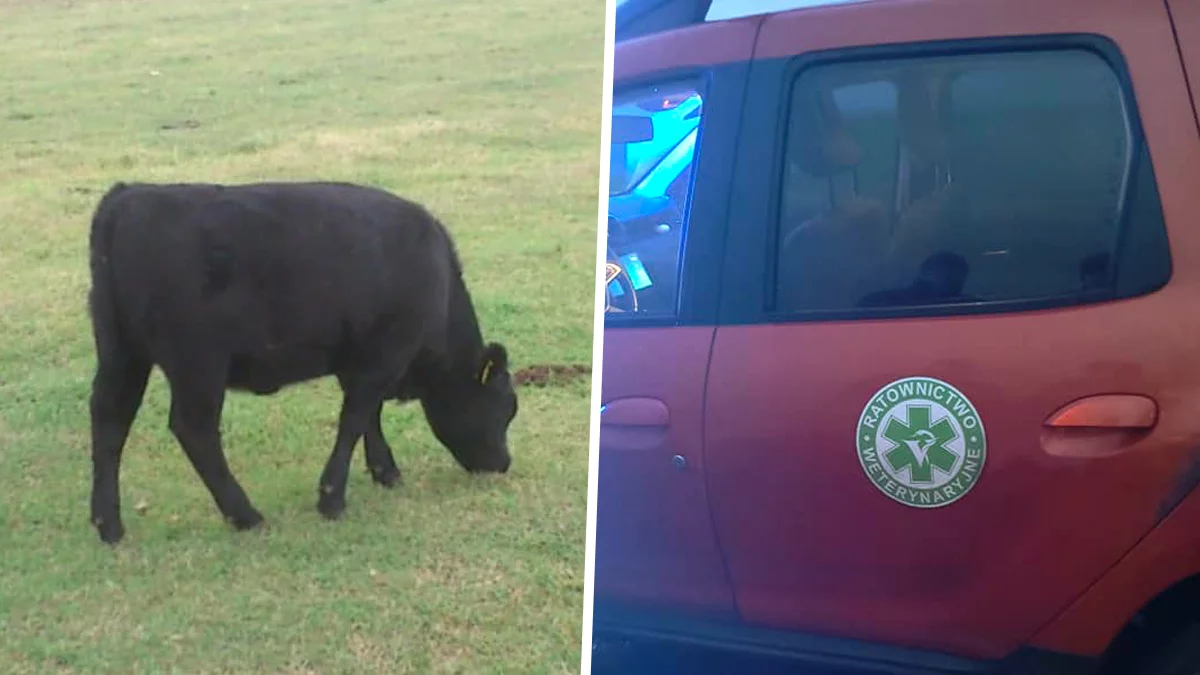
(470, 415)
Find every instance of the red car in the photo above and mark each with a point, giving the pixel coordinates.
(904, 376)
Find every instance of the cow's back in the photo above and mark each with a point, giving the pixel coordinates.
(273, 270)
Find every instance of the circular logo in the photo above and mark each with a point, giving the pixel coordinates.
(921, 442)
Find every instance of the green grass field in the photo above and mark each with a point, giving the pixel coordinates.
(488, 112)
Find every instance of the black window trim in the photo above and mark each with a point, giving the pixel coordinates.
(1099, 45)
(702, 78)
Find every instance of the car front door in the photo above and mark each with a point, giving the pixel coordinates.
(946, 391)
(676, 106)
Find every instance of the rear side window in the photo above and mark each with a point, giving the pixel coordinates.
(983, 179)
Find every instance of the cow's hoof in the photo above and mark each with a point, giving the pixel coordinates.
(331, 508)
(246, 521)
(110, 531)
(389, 477)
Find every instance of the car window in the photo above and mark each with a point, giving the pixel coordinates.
(970, 179)
(654, 136)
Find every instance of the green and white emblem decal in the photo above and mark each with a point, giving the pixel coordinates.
(921, 442)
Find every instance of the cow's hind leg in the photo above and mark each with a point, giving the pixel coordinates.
(380, 460)
(197, 397)
(117, 391)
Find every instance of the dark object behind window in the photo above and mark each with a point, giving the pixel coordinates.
(985, 178)
(637, 18)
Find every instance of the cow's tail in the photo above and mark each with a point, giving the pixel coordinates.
(102, 303)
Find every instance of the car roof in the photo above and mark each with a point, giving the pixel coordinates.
(636, 18)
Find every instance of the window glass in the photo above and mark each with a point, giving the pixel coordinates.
(654, 133)
(964, 179)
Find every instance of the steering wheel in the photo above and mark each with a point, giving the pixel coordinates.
(628, 300)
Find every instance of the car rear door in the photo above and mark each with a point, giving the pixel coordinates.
(655, 544)
(954, 379)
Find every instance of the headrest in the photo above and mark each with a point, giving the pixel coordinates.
(820, 145)
(829, 153)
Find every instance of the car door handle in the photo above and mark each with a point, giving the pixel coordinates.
(1098, 426)
(635, 423)
(1107, 411)
(636, 412)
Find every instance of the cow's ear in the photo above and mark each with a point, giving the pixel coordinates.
(494, 362)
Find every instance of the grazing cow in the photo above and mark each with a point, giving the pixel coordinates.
(257, 287)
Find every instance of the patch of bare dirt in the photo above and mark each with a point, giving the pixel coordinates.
(551, 374)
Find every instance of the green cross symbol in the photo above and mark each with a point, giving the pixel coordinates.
(920, 446)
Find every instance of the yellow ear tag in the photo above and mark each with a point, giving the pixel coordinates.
(487, 370)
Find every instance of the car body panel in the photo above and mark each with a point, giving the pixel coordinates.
(698, 46)
(1170, 554)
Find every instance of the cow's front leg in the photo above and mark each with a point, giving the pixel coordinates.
(362, 395)
(364, 388)
(197, 396)
(380, 460)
